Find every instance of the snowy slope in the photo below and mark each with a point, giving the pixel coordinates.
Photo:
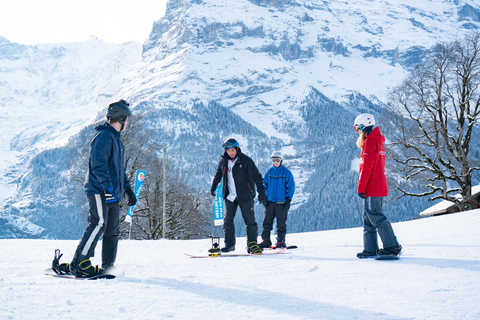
(438, 277)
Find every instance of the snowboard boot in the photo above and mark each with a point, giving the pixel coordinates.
(228, 248)
(82, 267)
(253, 248)
(280, 244)
(366, 255)
(390, 251)
(266, 243)
(107, 267)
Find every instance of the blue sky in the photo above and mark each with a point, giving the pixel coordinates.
(52, 21)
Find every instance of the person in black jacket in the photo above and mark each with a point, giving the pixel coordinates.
(105, 184)
(240, 175)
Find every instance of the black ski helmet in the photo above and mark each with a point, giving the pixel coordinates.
(119, 111)
(230, 143)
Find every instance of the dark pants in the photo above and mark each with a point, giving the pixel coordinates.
(272, 211)
(248, 214)
(375, 221)
(103, 218)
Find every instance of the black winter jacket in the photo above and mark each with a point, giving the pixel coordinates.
(106, 167)
(245, 174)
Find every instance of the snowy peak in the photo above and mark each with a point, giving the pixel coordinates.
(251, 48)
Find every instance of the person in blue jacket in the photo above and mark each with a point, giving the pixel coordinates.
(279, 187)
(106, 181)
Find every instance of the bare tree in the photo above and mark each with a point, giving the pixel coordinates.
(185, 216)
(432, 119)
(185, 213)
(185, 207)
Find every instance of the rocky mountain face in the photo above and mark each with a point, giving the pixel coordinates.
(277, 75)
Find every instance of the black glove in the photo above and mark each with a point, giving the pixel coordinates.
(262, 198)
(287, 202)
(109, 196)
(212, 191)
(132, 200)
(361, 195)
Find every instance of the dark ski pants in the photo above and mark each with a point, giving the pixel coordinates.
(248, 214)
(103, 218)
(375, 221)
(272, 211)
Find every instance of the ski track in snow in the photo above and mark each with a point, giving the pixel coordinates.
(437, 277)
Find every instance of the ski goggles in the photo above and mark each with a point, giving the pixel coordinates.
(229, 145)
(276, 160)
(358, 127)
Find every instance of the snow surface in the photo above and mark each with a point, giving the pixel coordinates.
(437, 277)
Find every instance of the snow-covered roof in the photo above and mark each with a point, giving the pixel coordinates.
(444, 205)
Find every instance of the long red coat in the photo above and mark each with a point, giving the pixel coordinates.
(372, 181)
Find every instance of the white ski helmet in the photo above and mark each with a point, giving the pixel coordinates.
(277, 155)
(364, 120)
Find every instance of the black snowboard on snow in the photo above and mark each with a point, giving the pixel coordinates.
(387, 257)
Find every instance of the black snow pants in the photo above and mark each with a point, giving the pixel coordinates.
(272, 211)
(374, 220)
(103, 218)
(248, 214)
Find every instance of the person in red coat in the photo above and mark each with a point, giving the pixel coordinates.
(372, 188)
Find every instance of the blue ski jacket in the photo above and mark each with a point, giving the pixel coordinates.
(279, 184)
(106, 167)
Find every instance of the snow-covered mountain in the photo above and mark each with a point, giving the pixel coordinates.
(288, 74)
(48, 93)
(437, 277)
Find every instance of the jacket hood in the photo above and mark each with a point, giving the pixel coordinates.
(106, 126)
(377, 135)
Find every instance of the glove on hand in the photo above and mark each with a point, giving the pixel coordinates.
(287, 202)
(361, 195)
(212, 191)
(132, 200)
(262, 198)
(109, 196)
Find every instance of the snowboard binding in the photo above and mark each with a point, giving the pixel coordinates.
(63, 268)
(214, 251)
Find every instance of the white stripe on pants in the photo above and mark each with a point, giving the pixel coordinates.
(88, 244)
